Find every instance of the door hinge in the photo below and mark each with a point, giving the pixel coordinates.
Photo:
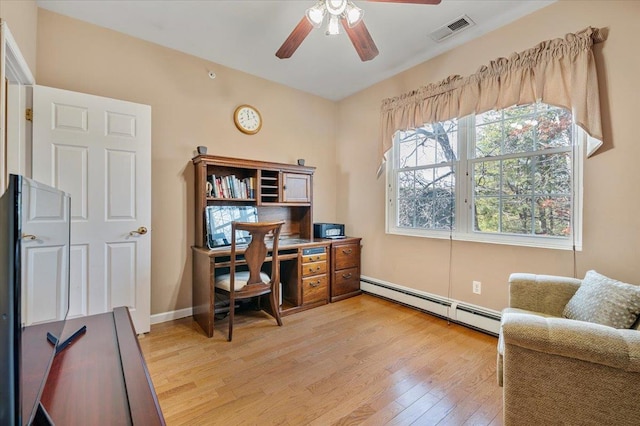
(28, 114)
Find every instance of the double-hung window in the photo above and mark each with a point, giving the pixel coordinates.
(510, 176)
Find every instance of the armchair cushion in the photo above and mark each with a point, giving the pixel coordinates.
(605, 301)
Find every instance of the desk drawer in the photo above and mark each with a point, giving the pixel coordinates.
(314, 289)
(314, 257)
(346, 256)
(345, 281)
(314, 268)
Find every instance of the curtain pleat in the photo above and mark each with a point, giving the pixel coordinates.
(560, 72)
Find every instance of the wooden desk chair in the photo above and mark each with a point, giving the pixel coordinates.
(252, 283)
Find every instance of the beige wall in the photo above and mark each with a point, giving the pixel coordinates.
(188, 109)
(342, 141)
(22, 18)
(611, 242)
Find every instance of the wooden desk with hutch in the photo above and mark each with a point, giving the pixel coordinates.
(282, 192)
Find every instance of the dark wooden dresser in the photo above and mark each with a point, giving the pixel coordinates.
(102, 378)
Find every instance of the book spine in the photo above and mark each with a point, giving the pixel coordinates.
(219, 187)
(236, 187)
(214, 189)
(225, 187)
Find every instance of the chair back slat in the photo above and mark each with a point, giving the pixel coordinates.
(256, 252)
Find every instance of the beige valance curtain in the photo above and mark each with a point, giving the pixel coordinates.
(559, 72)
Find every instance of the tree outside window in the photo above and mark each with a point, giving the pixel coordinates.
(507, 172)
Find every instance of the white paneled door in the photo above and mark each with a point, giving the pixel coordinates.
(99, 150)
(45, 240)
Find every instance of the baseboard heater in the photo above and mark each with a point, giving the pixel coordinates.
(476, 317)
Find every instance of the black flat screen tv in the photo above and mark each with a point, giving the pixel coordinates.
(219, 219)
(34, 219)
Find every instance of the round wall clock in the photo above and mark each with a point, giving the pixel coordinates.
(248, 119)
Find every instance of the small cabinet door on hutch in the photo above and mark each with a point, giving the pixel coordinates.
(296, 188)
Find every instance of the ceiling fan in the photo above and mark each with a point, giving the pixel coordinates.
(340, 12)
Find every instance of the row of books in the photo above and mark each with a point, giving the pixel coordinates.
(231, 187)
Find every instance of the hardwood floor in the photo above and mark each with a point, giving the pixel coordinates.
(362, 360)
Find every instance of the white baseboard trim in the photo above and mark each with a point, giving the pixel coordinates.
(171, 315)
(474, 316)
(478, 317)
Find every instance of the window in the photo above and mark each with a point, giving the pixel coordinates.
(510, 176)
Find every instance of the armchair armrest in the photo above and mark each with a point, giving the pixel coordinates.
(547, 294)
(581, 340)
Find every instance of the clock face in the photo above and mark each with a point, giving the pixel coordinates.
(247, 119)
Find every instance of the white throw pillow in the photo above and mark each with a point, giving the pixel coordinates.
(604, 301)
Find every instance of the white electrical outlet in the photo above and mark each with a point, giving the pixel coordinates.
(477, 287)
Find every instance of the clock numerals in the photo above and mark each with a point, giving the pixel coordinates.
(249, 119)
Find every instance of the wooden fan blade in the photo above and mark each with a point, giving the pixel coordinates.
(362, 41)
(409, 1)
(297, 36)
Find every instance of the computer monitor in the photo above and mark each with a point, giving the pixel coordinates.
(219, 218)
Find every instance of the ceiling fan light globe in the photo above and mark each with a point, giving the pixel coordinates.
(353, 15)
(315, 14)
(334, 26)
(336, 7)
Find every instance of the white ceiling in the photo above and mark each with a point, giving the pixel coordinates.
(245, 34)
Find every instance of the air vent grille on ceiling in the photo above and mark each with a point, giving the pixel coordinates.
(452, 28)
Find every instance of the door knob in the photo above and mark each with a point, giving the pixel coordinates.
(29, 237)
(140, 231)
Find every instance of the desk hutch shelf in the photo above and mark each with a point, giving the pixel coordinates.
(282, 192)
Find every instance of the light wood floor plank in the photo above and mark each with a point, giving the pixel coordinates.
(362, 360)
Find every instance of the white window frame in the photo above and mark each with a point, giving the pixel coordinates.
(463, 224)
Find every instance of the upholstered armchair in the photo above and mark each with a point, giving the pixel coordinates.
(556, 370)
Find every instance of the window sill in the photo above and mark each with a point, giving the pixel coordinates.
(511, 240)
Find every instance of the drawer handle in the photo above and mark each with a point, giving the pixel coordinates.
(347, 276)
(313, 259)
(347, 251)
(314, 270)
(315, 283)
